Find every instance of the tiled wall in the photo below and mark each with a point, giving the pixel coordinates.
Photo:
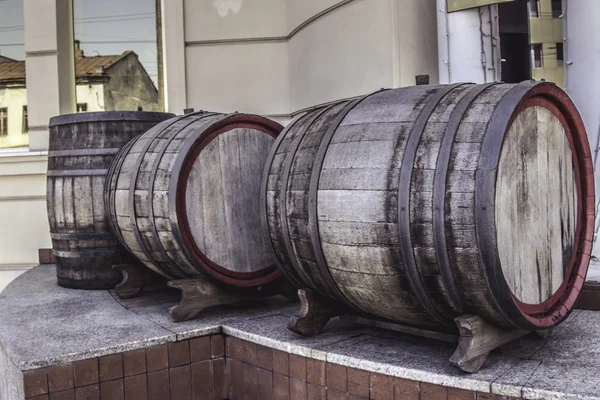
(190, 369)
(215, 368)
(258, 372)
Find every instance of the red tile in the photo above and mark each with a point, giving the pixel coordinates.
(315, 372)
(249, 352)
(297, 367)
(157, 358)
(250, 381)
(91, 392)
(112, 390)
(264, 357)
(217, 346)
(405, 389)
(335, 395)
(281, 387)
(219, 378)
(35, 382)
(136, 387)
(111, 367)
(460, 394)
(381, 387)
(181, 383)
(433, 392)
(200, 349)
(281, 362)
(60, 378)
(315, 392)
(298, 390)
(234, 348)
(265, 384)
(158, 385)
(179, 353)
(336, 377)
(202, 382)
(134, 362)
(40, 397)
(86, 372)
(235, 379)
(358, 382)
(64, 395)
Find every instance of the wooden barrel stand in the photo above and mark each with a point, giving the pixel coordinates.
(184, 199)
(429, 206)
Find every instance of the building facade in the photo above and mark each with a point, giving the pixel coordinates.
(103, 83)
(546, 37)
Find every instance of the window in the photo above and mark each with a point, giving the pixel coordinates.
(556, 8)
(560, 61)
(81, 107)
(534, 8)
(4, 121)
(536, 55)
(25, 124)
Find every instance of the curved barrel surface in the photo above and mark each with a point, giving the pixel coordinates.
(82, 147)
(184, 197)
(425, 203)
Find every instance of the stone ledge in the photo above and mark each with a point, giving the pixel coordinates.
(44, 327)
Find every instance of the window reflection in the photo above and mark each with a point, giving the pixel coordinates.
(116, 62)
(13, 95)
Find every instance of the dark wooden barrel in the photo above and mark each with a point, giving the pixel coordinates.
(82, 147)
(184, 198)
(425, 203)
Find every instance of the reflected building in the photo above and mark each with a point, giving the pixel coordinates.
(103, 83)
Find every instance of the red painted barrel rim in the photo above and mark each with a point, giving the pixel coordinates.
(239, 279)
(557, 307)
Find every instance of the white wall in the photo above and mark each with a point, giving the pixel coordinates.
(14, 100)
(92, 95)
(24, 228)
(276, 58)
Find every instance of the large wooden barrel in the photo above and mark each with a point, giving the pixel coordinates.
(425, 203)
(82, 147)
(184, 198)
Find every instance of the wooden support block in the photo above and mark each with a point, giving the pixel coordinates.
(315, 312)
(281, 287)
(477, 339)
(135, 279)
(199, 294)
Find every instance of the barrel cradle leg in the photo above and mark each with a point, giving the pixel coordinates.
(281, 287)
(198, 294)
(135, 279)
(477, 338)
(315, 312)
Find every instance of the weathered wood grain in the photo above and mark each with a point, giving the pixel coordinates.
(413, 156)
(535, 205)
(81, 150)
(186, 198)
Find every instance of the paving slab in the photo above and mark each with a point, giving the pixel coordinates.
(44, 324)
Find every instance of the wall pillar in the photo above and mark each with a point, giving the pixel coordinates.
(49, 65)
(174, 56)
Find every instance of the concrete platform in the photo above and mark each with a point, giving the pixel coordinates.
(42, 326)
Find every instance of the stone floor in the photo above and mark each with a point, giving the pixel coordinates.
(43, 325)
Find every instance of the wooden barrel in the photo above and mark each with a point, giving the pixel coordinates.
(82, 147)
(425, 203)
(184, 198)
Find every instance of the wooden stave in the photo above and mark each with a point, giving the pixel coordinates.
(131, 178)
(69, 163)
(492, 309)
(186, 139)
